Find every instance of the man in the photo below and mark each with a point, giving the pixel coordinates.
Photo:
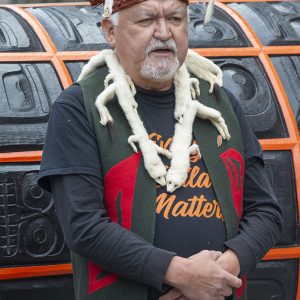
(213, 218)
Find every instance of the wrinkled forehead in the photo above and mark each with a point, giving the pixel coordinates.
(121, 4)
(157, 7)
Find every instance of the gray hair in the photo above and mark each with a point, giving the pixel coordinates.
(114, 18)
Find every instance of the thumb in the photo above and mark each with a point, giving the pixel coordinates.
(233, 281)
(171, 295)
(215, 254)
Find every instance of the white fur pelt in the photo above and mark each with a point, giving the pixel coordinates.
(204, 69)
(123, 88)
(186, 109)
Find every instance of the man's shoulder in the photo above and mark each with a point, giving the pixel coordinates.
(71, 95)
(93, 78)
(71, 101)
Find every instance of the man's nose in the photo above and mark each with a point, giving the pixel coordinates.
(163, 31)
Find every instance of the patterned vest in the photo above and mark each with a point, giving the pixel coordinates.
(127, 184)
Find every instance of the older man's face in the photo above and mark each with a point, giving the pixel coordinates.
(151, 41)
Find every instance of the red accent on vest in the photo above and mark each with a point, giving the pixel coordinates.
(240, 290)
(235, 167)
(120, 179)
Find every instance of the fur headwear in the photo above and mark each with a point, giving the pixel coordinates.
(112, 6)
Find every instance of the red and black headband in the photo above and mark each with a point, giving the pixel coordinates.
(120, 4)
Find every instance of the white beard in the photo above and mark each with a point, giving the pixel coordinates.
(159, 69)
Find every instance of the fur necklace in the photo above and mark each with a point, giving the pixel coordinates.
(186, 109)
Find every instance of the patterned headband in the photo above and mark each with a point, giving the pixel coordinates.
(112, 6)
(119, 4)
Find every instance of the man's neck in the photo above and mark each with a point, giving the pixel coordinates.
(154, 85)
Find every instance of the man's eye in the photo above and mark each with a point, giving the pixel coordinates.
(176, 19)
(147, 20)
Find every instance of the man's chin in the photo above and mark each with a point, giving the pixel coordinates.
(158, 75)
(157, 57)
(160, 68)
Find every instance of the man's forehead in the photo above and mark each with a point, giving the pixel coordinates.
(152, 6)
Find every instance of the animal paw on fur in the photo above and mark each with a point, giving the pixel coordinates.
(133, 139)
(195, 88)
(110, 77)
(101, 100)
(221, 126)
(179, 112)
(194, 149)
(215, 117)
(131, 85)
(152, 161)
(163, 151)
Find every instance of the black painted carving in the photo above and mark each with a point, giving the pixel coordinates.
(75, 69)
(47, 288)
(29, 228)
(221, 31)
(274, 280)
(280, 171)
(276, 23)
(246, 79)
(72, 27)
(27, 91)
(15, 34)
(288, 69)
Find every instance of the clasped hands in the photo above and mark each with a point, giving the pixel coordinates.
(207, 275)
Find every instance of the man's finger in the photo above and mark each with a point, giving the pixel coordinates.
(227, 291)
(233, 281)
(171, 295)
(215, 254)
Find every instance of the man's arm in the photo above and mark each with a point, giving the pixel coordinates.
(90, 233)
(71, 171)
(261, 223)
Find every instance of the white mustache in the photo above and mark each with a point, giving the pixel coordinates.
(156, 44)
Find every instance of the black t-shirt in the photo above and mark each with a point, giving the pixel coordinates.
(188, 221)
(191, 213)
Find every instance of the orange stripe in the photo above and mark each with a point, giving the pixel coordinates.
(28, 156)
(283, 253)
(62, 71)
(246, 28)
(37, 27)
(298, 289)
(282, 50)
(25, 56)
(76, 55)
(278, 144)
(213, 52)
(34, 271)
(281, 95)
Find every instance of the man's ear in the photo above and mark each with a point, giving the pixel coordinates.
(108, 30)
